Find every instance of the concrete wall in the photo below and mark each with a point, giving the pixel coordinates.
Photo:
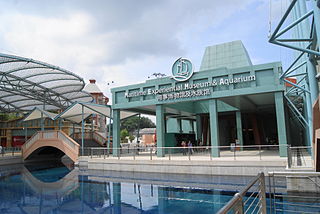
(243, 168)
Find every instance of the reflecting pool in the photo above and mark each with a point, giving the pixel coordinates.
(55, 188)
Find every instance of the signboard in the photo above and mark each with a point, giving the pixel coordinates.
(182, 70)
(190, 89)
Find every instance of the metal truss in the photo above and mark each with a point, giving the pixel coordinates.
(303, 38)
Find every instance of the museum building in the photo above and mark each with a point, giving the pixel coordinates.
(229, 100)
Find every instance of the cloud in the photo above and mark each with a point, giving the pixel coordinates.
(121, 41)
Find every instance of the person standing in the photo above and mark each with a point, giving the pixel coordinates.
(190, 147)
(184, 145)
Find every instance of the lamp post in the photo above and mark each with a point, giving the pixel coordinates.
(138, 142)
(108, 129)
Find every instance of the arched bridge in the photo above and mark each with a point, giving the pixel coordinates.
(50, 144)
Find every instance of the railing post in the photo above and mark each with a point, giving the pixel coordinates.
(104, 154)
(263, 204)
(260, 151)
(289, 156)
(270, 198)
(134, 153)
(239, 208)
(151, 153)
(91, 152)
(119, 153)
(169, 151)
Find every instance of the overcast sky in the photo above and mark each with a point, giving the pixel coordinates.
(125, 41)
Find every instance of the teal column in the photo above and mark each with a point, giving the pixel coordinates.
(162, 195)
(191, 122)
(116, 190)
(116, 132)
(281, 125)
(199, 127)
(109, 134)
(214, 127)
(179, 125)
(239, 128)
(160, 123)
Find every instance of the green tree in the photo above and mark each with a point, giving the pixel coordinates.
(123, 134)
(131, 138)
(132, 123)
(10, 116)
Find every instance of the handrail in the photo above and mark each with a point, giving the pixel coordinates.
(49, 134)
(99, 138)
(237, 203)
(63, 136)
(294, 173)
(30, 141)
(193, 152)
(91, 135)
(297, 177)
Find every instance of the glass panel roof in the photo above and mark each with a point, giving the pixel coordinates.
(27, 83)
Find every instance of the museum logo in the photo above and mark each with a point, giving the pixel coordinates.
(182, 69)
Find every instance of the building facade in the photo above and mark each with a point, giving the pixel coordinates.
(228, 100)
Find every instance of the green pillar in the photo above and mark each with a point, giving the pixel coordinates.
(179, 125)
(281, 125)
(116, 132)
(116, 189)
(214, 127)
(199, 127)
(160, 129)
(191, 122)
(239, 128)
(162, 195)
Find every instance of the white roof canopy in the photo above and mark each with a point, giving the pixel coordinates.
(38, 113)
(74, 112)
(27, 83)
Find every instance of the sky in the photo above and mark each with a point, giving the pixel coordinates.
(126, 41)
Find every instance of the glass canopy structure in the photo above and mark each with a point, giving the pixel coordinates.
(27, 83)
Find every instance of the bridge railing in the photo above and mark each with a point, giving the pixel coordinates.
(50, 134)
(64, 137)
(91, 135)
(31, 141)
(99, 138)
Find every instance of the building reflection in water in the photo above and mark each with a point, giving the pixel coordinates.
(61, 190)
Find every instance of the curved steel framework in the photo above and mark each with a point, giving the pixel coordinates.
(27, 83)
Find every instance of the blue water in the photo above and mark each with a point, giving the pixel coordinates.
(56, 189)
(53, 190)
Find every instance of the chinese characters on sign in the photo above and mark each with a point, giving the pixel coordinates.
(189, 90)
(184, 94)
